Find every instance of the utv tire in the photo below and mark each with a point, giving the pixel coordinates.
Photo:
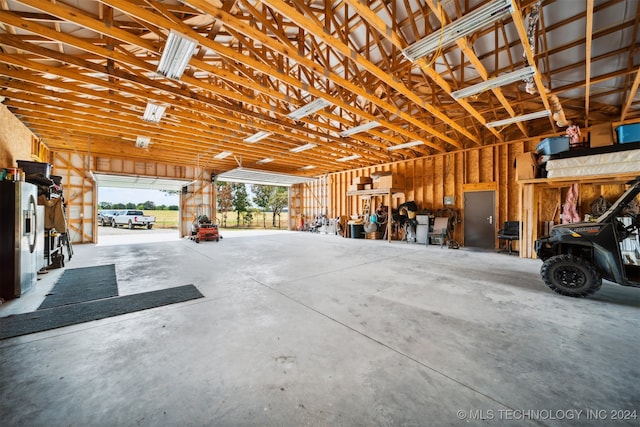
(571, 276)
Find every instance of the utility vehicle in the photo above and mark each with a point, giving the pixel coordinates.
(576, 257)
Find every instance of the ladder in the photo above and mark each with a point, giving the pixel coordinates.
(366, 209)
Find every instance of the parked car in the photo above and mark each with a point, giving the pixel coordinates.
(132, 219)
(105, 217)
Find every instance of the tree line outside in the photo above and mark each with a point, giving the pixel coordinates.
(234, 197)
(231, 198)
(145, 206)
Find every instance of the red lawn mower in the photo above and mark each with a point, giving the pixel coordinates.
(203, 229)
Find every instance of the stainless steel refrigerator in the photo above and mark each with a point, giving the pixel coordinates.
(18, 238)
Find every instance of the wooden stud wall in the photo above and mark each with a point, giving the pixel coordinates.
(141, 168)
(17, 142)
(80, 190)
(428, 180)
(543, 200)
(80, 194)
(307, 200)
(199, 199)
(295, 207)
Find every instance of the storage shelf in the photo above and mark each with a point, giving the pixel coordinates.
(389, 192)
(590, 179)
(374, 192)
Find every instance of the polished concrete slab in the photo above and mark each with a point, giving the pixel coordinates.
(310, 329)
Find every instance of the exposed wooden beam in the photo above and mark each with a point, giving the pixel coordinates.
(633, 90)
(587, 62)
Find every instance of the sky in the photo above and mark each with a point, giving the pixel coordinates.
(135, 195)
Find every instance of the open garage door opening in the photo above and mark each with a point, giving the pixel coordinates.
(138, 209)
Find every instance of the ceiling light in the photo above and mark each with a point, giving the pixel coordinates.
(153, 113)
(255, 176)
(362, 128)
(405, 145)
(257, 136)
(516, 119)
(459, 28)
(266, 160)
(346, 159)
(308, 146)
(502, 80)
(306, 168)
(143, 142)
(176, 55)
(222, 155)
(309, 109)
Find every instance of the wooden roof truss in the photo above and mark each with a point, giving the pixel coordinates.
(80, 73)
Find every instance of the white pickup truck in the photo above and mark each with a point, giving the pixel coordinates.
(132, 218)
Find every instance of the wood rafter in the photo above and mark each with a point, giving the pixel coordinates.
(80, 74)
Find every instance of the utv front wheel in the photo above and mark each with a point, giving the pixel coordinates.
(571, 276)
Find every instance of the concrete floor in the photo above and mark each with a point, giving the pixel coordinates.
(306, 329)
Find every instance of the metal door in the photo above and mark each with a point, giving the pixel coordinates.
(479, 215)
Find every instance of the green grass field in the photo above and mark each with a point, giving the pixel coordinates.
(169, 219)
(164, 219)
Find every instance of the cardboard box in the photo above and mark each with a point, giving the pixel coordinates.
(362, 180)
(600, 135)
(526, 166)
(389, 181)
(356, 187)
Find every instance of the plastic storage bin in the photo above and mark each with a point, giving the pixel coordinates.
(628, 133)
(35, 168)
(556, 145)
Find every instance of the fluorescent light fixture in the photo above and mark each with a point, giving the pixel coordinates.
(346, 159)
(362, 128)
(502, 80)
(255, 176)
(222, 155)
(459, 28)
(257, 136)
(405, 145)
(143, 142)
(304, 147)
(153, 113)
(265, 160)
(309, 109)
(516, 119)
(176, 55)
(306, 168)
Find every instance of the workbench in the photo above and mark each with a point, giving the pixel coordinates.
(390, 193)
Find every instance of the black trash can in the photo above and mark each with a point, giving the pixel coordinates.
(357, 231)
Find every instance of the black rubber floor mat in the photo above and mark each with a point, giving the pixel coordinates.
(82, 284)
(57, 317)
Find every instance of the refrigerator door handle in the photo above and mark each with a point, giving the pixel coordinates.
(31, 227)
